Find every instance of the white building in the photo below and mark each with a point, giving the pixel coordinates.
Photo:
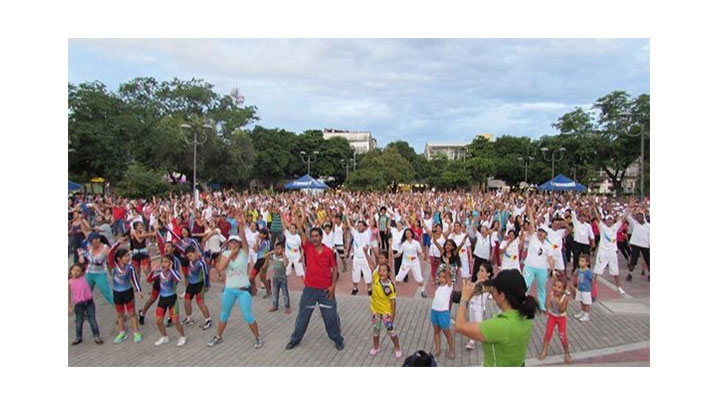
(360, 141)
(451, 150)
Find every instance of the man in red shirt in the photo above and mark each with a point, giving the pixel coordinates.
(320, 277)
(119, 212)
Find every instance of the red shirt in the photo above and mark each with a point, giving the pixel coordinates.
(224, 228)
(118, 213)
(318, 273)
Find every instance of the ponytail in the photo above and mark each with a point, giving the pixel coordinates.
(528, 307)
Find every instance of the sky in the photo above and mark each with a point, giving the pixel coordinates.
(416, 90)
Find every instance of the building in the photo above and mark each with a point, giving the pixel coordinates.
(488, 137)
(360, 141)
(451, 150)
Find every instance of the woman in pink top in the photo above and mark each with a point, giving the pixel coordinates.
(80, 294)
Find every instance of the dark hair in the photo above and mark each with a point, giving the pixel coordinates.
(383, 253)
(190, 249)
(317, 230)
(120, 253)
(585, 256)
(403, 239)
(169, 257)
(420, 359)
(488, 268)
(527, 307)
(82, 268)
(278, 243)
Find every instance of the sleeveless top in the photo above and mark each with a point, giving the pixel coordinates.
(555, 306)
(97, 264)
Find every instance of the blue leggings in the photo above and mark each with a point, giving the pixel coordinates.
(530, 273)
(230, 295)
(100, 279)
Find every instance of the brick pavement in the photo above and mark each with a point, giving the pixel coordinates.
(617, 334)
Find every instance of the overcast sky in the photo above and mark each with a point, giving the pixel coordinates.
(417, 90)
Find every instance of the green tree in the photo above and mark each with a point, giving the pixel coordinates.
(141, 182)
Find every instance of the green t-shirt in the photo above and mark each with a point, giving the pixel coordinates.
(506, 339)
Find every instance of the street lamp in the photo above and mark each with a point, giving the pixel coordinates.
(195, 144)
(626, 116)
(311, 158)
(526, 161)
(347, 165)
(551, 155)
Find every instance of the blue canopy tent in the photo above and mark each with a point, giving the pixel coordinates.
(73, 186)
(561, 183)
(305, 183)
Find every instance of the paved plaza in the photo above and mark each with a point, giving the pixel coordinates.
(618, 333)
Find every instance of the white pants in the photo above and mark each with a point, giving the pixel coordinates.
(297, 263)
(360, 266)
(406, 267)
(558, 259)
(464, 263)
(606, 258)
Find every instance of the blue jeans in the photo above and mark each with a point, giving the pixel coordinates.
(81, 308)
(118, 227)
(101, 280)
(328, 309)
(530, 273)
(280, 284)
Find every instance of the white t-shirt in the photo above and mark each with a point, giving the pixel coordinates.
(555, 237)
(458, 238)
(396, 238)
(511, 257)
(411, 251)
(608, 236)
(328, 239)
(538, 252)
(640, 233)
(582, 232)
(441, 301)
(292, 244)
(428, 223)
(360, 239)
(434, 251)
(482, 247)
(252, 238)
(338, 233)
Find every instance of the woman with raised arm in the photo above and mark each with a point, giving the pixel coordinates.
(539, 257)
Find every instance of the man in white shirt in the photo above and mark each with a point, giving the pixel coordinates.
(339, 240)
(556, 238)
(583, 237)
(607, 250)
(639, 243)
(361, 238)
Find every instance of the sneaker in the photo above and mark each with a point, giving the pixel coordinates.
(137, 337)
(76, 342)
(370, 293)
(207, 325)
(182, 341)
(585, 317)
(374, 351)
(258, 343)
(121, 337)
(290, 346)
(354, 291)
(579, 315)
(629, 277)
(621, 291)
(162, 340)
(98, 340)
(216, 340)
(339, 346)
(188, 321)
(141, 317)
(470, 345)
(422, 294)
(398, 354)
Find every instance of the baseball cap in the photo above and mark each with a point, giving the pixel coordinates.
(93, 235)
(510, 283)
(234, 238)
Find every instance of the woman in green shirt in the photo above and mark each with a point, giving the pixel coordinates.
(505, 337)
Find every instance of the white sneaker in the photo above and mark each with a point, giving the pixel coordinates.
(579, 315)
(621, 291)
(182, 341)
(585, 318)
(162, 340)
(470, 345)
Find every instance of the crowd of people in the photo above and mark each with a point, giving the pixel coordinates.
(479, 246)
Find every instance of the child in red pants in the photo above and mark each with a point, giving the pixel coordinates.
(556, 305)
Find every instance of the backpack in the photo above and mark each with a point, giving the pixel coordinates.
(420, 359)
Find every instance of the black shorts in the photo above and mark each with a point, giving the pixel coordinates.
(340, 251)
(123, 297)
(214, 256)
(259, 263)
(167, 302)
(193, 289)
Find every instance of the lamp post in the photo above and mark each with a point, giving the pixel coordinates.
(526, 161)
(309, 158)
(551, 155)
(347, 165)
(626, 116)
(189, 129)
